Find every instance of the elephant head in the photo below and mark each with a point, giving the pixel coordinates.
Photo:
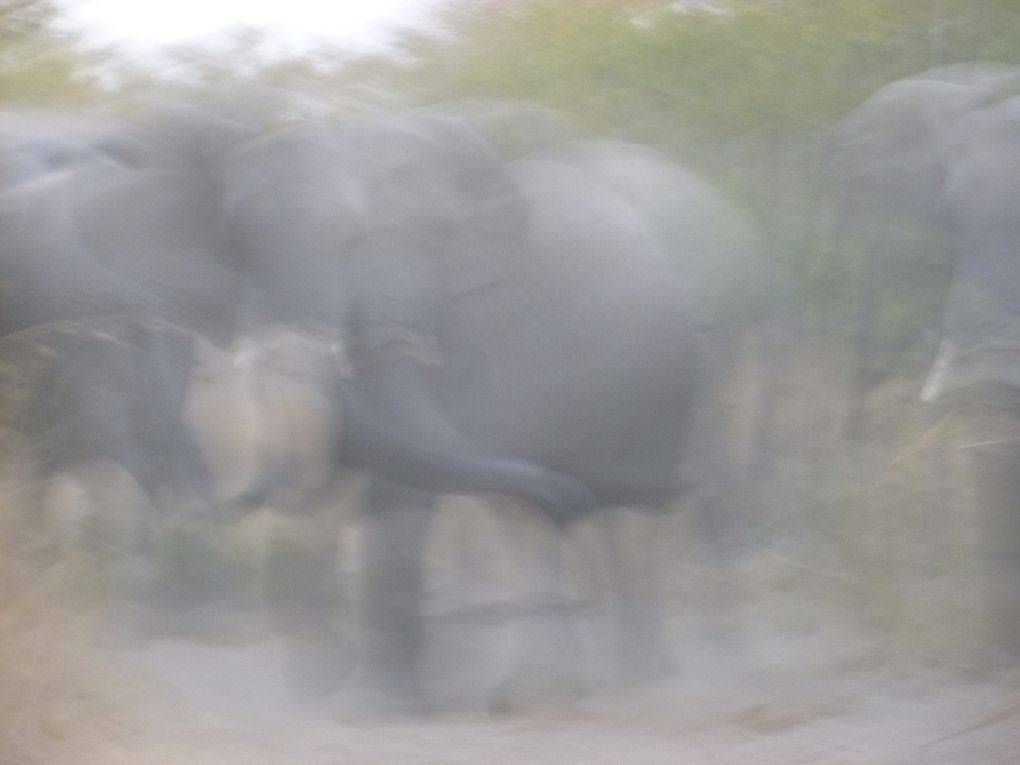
(894, 151)
(368, 228)
(940, 151)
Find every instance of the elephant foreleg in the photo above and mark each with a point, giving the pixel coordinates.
(396, 527)
(640, 641)
(545, 661)
(303, 599)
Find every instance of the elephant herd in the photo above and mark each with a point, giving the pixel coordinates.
(488, 306)
(492, 324)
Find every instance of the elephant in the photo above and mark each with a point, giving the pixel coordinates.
(941, 147)
(94, 239)
(138, 229)
(335, 226)
(108, 274)
(893, 152)
(511, 327)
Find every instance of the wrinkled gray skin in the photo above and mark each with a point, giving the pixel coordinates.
(545, 341)
(945, 146)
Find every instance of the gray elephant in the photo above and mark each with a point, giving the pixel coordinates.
(142, 229)
(107, 272)
(942, 147)
(112, 273)
(362, 228)
(512, 328)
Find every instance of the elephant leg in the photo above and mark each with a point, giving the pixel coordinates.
(116, 530)
(545, 660)
(303, 597)
(396, 527)
(993, 425)
(630, 542)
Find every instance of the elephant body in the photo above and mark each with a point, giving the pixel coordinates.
(583, 356)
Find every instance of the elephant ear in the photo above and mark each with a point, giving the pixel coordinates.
(485, 212)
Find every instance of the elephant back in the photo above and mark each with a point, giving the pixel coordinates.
(595, 310)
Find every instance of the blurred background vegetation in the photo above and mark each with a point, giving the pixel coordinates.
(746, 92)
(830, 453)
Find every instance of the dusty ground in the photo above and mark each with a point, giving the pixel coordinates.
(225, 705)
(779, 668)
(778, 695)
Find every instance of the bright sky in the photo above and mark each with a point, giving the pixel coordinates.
(142, 25)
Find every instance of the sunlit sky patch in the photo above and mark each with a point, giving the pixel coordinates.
(140, 26)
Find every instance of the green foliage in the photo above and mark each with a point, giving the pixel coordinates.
(38, 63)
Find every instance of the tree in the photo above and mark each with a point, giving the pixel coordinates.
(38, 62)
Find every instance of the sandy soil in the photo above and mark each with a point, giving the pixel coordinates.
(206, 703)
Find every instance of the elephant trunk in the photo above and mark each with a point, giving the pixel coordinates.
(392, 425)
